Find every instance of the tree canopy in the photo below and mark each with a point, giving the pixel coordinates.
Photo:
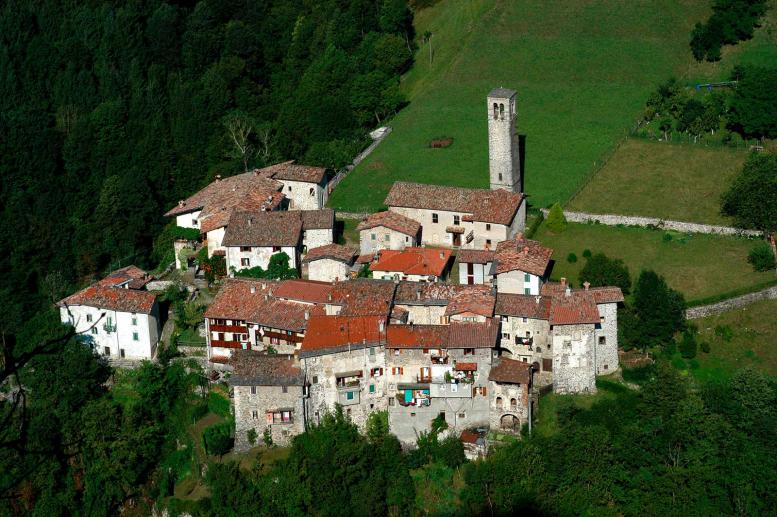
(752, 198)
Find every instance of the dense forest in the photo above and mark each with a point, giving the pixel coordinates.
(112, 111)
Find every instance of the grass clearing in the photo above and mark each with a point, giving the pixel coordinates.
(682, 182)
(695, 264)
(346, 232)
(582, 69)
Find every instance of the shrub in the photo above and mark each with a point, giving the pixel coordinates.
(252, 435)
(586, 253)
(556, 222)
(601, 271)
(688, 344)
(705, 347)
(667, 237)
(761, 257)
(218, 404)
(267, 437)
(571, 258)
(724, 332)
(217, 439)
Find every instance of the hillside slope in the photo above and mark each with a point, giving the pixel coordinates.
(582, 69)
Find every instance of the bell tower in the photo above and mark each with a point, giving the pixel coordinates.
(504, 160)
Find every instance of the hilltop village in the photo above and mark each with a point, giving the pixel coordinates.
(385, 327)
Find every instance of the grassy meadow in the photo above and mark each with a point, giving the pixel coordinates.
(696, 265)
(583, 71)
(682, 182)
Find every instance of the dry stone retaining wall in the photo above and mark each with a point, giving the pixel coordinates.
(680, 226)
(703, 311)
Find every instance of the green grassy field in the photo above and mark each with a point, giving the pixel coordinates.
(672, 181)
(696, 265)
(582, 69)
(752, 341)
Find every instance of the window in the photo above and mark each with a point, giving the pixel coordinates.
(372, 388)
(407, 239)
(456, 220)
(315, 379)
(397, 370)
(488, 227)
(526, 290)
(412, 414)
(245, 248)
(462, 416)
(134, 321)
(276, 249)
(255, 414)
(505, 335)
(496, 111)
(499, 402)
(501, 111)
(525, 320)
(349, 395)
(88, 318)
(504, 318)
(513, 403)
(435, 219)
(348, 412)
(312, 191)
(469, 351)
(488, 242)
(602, 340)
(194, 222)
(526, 277)
(289, 188)
(107, 350)
(135, 336)
(391, 401)
(245, 261)
(253, 390)
(372, 236)
(605, 366)
(387, 237)
(284, 389)
(500, 176)
(601, 319)
(94, 330)
(372, 352)
(121, 353)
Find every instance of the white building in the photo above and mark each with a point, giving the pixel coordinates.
(388, 231)
(305, 186)
(329, 263)
(475, 267)
(521, 266)
(115, 315)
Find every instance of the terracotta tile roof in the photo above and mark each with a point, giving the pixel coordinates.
(477, 299)
(475, 256)
(292, 172)
(333, 252)
(579, 307)
(522, 255)
(417, 336)
(227, 193)
(112, 298)
(511, 371)
(364, 297)
(391, 220)
(286, 315)
(466, 367)
(328, 334)
(430, 293)
(215, 216)
(310, 291)
(133, 276)
(469, 437)
(317, 219)
(236, 301)
(606, 294)
(256, 369)
(491, 206)
(523, 306)
(398, 314)
(279, 228)
(553, 288)
(473, 335)
(412, 261)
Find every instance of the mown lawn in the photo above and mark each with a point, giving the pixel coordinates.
(683, 182)
(744, 337)
(582, 69)
(696, 265)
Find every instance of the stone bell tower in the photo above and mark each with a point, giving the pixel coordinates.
(504, 160)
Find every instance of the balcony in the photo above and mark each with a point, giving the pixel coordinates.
(293, 338)
(220, 343)
(470, 236)
(416, 402)
(235, 329)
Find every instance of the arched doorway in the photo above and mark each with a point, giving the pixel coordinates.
(509, 422)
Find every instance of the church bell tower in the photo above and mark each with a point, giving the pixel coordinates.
(504, 161)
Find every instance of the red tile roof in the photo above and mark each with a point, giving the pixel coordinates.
(323, 219)
(279, 228)
(491, 206)
(412, 261)
(476, 299)
(523, 306)
(469, 437)
(310, 291)
(112, 298)
(475, 256)
(430, 293)
(236, 301)
(133, 276)
(466, 367)
(606, 294)
(579, 307)
(392, 221)
(215, 216)
(293, 172)
(364, 297)
(473, 335)
(256, 369)
(521, 254)
(511, 371)
(417, 336)
(328, 333)
(333, 252)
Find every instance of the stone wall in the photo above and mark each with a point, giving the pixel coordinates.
(574, 367)
(703, 311)
(680, 226)
(251, 413)
(607, 351)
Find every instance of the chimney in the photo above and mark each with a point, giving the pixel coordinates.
(218, 177)
(307, 315)
(519, 237)
(586, 285)
(181, 203)
(525, 250)
(264, 286)
(329, 297)
(270, 292)
(382, 327)
(442, 254)
(250, 220)
(537, 299)
(253, 289)
(568, 291)
(418, 294)
(563, 281)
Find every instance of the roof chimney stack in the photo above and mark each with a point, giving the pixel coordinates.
(253, 289)
(180, 203)
(442, 254)
(568, 291)
(563, 281)
(381, 327)
(307, 315)
(218, 177)
(586, 285)
(525, 250)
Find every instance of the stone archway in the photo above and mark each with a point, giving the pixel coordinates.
(509, 422)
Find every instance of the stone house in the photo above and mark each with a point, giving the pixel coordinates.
(329, 263)
(459, 217)
(436, 303)
(521, 266)
(475, 266)
(116, 315)
(510, 382)
(268, 396)
(413, 264)
(388, 231)
(251, 238)
(304, 186)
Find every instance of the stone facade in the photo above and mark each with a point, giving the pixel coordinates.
(382, 238)
(245, 257)
(703, 311)
(316, 237)
(503, 156)
(509, 406)
(252, 405)
(574, 359)
(328, 270)
(303, 195)
(606, 339)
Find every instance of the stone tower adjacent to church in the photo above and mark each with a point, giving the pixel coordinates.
(504, 161)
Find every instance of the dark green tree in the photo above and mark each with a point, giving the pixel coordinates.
(600, 271)
(659, 311)
(752, 198)
(753, 110)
